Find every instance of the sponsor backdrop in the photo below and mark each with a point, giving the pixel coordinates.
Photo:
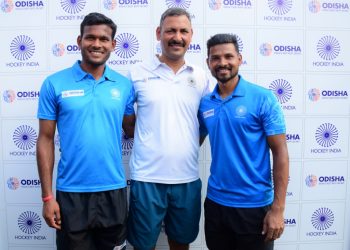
(298, 49)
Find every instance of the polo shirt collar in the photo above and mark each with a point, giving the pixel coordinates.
(155, 63)
(239, 90)
(80, 74)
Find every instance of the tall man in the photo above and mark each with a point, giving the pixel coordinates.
(164, 163)
(243, 210)
(87, 102)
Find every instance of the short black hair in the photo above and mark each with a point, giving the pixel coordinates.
(174, 12)
(95, 18)
(221, 39)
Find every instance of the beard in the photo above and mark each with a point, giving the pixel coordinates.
(226, 77)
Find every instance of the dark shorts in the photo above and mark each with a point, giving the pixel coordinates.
(229, 228)
(178, 205)
(92, 221)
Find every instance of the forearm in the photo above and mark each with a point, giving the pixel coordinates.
(280, 179)
(45, 162)
(129, 125)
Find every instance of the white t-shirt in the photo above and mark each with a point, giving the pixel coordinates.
(166, 140)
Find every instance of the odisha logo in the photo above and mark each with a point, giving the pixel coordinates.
(328, 48)
(282, 90)
(127, 45)
(311, 180)
(110, 4)
(24, 137)
(29, 222)
(215, 4)
(22, 47)
(6, 6)
(314, 94)
(265, 49)
(58, 49)
(184, 4)
(322, 218)
(326, 135)
(13, 183)
(127, 142)
(9, 96)
(280, 7)
(73, 6)
(314, 6)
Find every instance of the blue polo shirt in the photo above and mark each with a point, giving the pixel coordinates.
(89, 116)
(240, 172)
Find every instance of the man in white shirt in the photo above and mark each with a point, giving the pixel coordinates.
(165, 184)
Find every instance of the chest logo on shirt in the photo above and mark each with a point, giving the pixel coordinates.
(191, 82)
(72, 93)
(115, 93)
(208, 113)
(241, 111)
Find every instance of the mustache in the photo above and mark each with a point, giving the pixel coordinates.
(223, 67)
(174, 42)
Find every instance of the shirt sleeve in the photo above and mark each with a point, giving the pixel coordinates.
(272, 116)
(129, 108)
(47, 108)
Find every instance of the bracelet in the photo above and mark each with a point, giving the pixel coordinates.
(47, 198)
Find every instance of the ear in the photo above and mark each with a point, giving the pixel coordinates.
(114, 43)
(240, 58)
(158, 33)
(207, 62)
(79, 41)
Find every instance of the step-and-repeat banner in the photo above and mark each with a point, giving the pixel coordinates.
(300, 49)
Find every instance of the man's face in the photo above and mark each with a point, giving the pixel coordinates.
(175, 36)
(224, 62)
(96, 44)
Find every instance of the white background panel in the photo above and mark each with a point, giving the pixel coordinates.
(68, 12)
(295, 137)
(322, 246)
(332, 134)
(195, 8)
(230, 12)
(23, 50)
(291, 223)
(22, 132)
(327, 94)
(124, 12)
(327, 50)
(20, 233)
(22, 183)
(329, 14)
(293, 190)
(280, 49)
(24, 13)
(288, 89)
(132, 46)
(62, 49)
(322, 221)
(280, 13)
(329, 180)
(20, 95)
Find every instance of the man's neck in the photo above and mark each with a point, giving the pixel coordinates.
(95, 71)
(175, 65)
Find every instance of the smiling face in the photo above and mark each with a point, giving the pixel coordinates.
(175, 36)
(96, 45)
(224, 61)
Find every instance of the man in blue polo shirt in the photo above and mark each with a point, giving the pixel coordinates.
(243, 209)
(87, 103)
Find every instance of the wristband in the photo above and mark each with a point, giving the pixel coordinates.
(47, 198)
